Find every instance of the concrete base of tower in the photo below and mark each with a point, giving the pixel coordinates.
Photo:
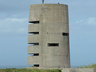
(33, 67)
(42, 68)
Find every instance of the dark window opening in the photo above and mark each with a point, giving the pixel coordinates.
(36, 65)
(34, 22)
(53, 44)
(36, 54)
(65, 34)
(34, 43)
(34, 32)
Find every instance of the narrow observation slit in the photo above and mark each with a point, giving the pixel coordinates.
(34, 22)
(53, 44)
(36, 65)
(65, 34)
(37, 54)
(33, 32)
(34, 43)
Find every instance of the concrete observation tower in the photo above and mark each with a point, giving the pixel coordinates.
(49, 36)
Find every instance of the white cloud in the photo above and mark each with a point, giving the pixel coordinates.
(16, 25)
(16, 19)
(80, 21)
(90, 21)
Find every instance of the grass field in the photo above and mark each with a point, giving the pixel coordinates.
(89, 66)
(41, 70)
(28, 70)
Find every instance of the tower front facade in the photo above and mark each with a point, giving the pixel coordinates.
(49, 36)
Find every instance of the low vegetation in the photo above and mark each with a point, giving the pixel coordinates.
(41, 70)
(28, 70)
(89, 66)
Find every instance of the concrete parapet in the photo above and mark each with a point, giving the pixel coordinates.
(79, 70)
(33, 28)
(33, 60)
(33, 49)
(33, 39)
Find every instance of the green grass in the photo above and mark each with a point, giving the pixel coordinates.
(28, 70)
(40, 70)
(89, 66)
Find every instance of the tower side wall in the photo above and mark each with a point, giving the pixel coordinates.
(53, 34)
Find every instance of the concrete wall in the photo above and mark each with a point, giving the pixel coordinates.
(51, 21)
(79, 70)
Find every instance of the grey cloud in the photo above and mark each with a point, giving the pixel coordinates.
(13, 25)
(77, 8)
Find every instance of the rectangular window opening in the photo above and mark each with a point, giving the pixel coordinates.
(36, 65)
(65, 34)
(34, 43)
(36, 54)
(35, 22)
(53, 44)
(33, 32)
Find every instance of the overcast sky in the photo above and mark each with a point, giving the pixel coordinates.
(14, 26)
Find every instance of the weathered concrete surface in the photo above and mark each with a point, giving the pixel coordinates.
(33, 60)
(33, 28)
(79, 70)
(33, 49)
(33, 39)
(53, 22)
